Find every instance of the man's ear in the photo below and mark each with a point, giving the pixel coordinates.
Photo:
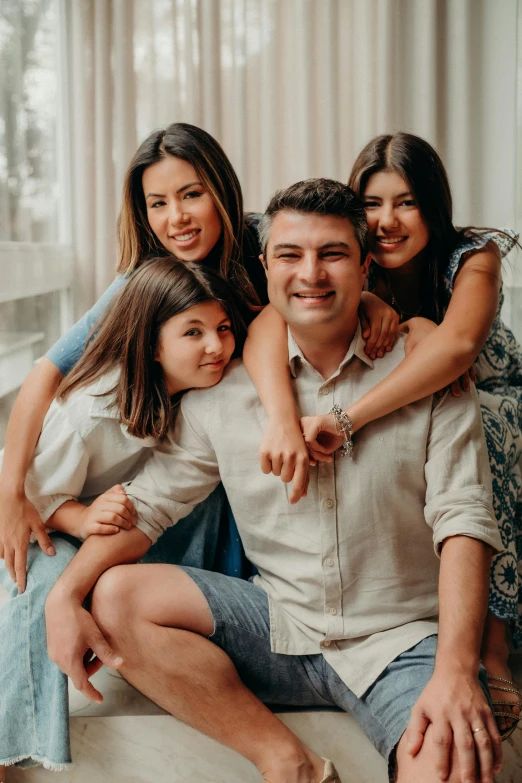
(365, 266)
(263, 261)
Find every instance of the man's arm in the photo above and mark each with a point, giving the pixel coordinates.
(459, 511)
(71, 631)
(453, 700)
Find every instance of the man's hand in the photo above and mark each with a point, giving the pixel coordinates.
(75, 643)
(321, 435)
(18, 519)
(454, 703)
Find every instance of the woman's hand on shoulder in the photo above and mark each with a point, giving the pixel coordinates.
(379, 324)
(18, 520)
(109, 513)
(416, 329)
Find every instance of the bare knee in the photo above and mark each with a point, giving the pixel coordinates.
(423, 766)
(112, 603)
(127, 596)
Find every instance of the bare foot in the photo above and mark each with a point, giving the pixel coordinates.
(495, 653)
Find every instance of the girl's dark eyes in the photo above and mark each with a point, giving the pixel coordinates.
(409, 202)
(196, 332)
(370, 204)
(193, 194)
(156, 204)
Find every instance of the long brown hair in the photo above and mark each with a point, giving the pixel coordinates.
(421, 167)
(127, 339)
(137, 241)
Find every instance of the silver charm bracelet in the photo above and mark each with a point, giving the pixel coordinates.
(346, 427)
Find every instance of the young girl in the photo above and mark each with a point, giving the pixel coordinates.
(172, 327)
(180, 196)
(425, 269)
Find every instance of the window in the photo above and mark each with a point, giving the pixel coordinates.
(35, 257)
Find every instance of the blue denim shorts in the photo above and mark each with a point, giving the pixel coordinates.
(242, 629)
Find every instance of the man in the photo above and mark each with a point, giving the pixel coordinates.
(344, 610)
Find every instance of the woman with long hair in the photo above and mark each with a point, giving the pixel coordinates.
(444, 285)
(173, 326)
(181, 196)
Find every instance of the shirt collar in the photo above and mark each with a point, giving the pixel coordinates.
(356, 348)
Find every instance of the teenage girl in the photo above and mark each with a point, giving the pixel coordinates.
(172, 327)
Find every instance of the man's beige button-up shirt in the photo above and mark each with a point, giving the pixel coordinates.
(351, 570)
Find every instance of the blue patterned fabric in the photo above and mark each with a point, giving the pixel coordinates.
(499, 384)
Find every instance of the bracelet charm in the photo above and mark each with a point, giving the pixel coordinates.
(346, 427)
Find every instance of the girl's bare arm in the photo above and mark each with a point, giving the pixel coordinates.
(449, 350)
(18, 516)
(283, 450)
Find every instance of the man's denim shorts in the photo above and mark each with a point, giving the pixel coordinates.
(242, 629)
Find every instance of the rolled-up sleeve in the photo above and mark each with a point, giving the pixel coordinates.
(458, 478)
(179, 474)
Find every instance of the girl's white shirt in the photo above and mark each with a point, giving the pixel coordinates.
(83, 449)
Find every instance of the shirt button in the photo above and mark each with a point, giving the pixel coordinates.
(329, 503)
(326, 643)
(332, 610)
(329, 561)
(325, 390)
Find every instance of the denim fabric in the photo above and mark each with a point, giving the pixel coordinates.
(69, 349)
(34, 726)
(34, 717)
(242, 629)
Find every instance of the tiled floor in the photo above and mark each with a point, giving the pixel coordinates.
(128, 739)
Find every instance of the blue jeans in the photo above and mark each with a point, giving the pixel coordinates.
(34, 715)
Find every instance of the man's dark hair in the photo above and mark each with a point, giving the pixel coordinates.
(317, 197)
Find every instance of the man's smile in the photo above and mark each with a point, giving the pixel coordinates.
(313, 295)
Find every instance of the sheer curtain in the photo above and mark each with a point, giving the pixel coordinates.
(291, 88)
